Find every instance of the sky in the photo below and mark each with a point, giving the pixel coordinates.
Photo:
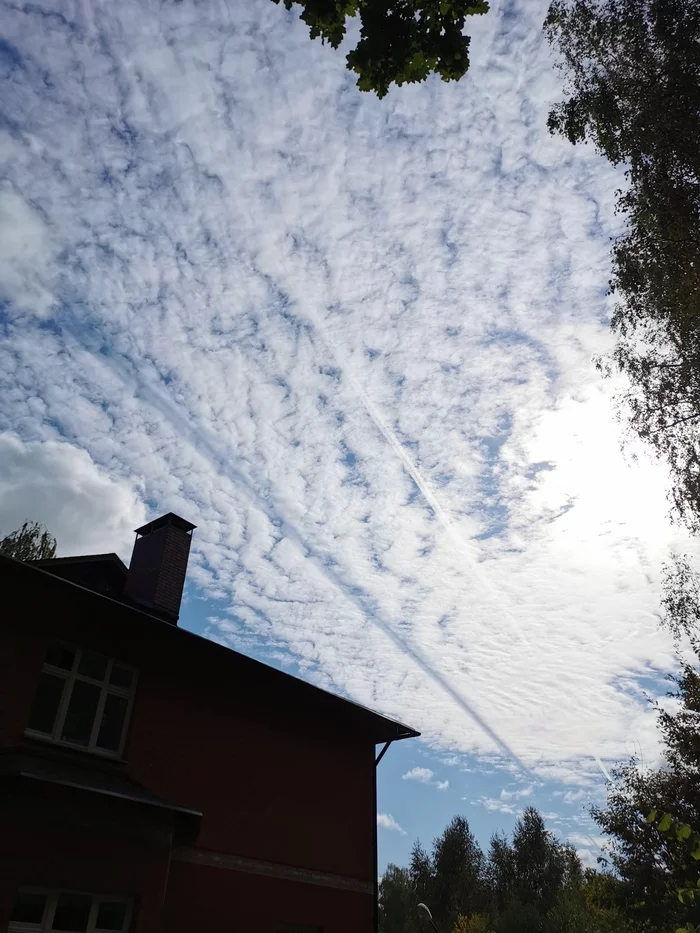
(352, 341)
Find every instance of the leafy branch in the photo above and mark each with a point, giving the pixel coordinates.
(689, 838)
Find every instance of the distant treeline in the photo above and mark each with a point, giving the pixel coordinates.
(530, 883)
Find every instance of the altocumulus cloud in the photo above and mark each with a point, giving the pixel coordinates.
(351, 340)
(25, 254)
(494, 804)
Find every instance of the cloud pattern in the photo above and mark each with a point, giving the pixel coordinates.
(351, 340)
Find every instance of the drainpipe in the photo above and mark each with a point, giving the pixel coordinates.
(376, 854)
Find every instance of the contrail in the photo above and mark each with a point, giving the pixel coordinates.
(439, 512)
(415, 474)
(604, 771)
(218, 456)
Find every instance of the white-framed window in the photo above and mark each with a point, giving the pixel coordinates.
(83, 699)
(68, 911)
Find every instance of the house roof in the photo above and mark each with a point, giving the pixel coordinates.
(295, 691)
(101, 573)
(48, 562)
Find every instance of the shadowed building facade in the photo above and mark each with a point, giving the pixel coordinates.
(153, 780)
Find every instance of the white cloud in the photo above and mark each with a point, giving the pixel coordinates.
(494, 804)
(423, 775)
(584, 840)
(25, 252)
(351, 340)
(387, 821)
(588, 848)
(589, 858)
(56, 483)
(517, 794)
(575, 796)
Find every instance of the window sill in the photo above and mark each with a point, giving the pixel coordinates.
(66, 750)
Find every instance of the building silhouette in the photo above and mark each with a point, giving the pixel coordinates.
(154, 780)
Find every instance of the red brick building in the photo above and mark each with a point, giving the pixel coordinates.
(152, 780)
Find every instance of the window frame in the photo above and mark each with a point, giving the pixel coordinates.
(53, 894)
(70, 678)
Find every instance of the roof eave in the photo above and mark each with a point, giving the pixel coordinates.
(396, 731)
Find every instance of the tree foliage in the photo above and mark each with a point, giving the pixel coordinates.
(397, 902)
(650, 814)
(458, 874)
(681, 601)
(30, 542)
(531, 883)
(633, 73)
(542, 867)
(688, 892)
(401, 41)
(475, 923)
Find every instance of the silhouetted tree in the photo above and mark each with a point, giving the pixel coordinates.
(30, 542)
(397, 901)
(532, 884)
(401, 41)
(542, 866)
(500, 871)
(458, 864)
(633, 73)
(654, 865)
(422, 874)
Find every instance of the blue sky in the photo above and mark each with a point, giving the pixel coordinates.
(351, 340)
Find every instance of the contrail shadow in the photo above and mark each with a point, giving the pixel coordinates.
(415, 474)
(220, 458)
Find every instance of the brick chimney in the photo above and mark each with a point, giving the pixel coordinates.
(158, 566)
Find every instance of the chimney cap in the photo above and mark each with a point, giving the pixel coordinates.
(170, 519)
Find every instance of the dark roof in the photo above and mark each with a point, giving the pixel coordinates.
(48, 562)
(101, 573)
(50, 770)
(273, 681)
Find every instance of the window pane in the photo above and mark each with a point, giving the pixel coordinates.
(61, 656)
(121, 676)
(81, 713)
(28, 908)
(111, 915)
(46, 702)
(72, 912)
(113, 717)
(92, 665)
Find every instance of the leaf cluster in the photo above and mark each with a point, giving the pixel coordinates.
(30, 542)
(632, 72)
(401, 41)
(682, 833)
